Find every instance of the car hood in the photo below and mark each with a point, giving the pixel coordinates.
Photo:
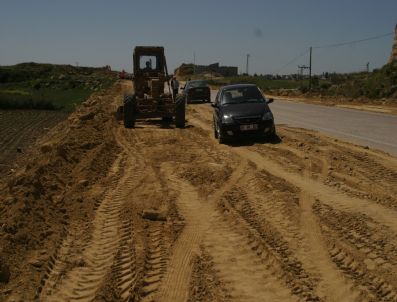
(245, 109)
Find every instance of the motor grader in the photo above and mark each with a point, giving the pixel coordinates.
(149, 99)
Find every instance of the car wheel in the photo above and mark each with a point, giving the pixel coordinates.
(221, 137)
(129, 111)
(272, 136)
(215, 131)
(180, 112)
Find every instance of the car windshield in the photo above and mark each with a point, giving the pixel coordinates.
(245, 94)
(193, 84)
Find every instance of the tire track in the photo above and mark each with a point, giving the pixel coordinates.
(263, 203)
(125, 264)
(273, 249)
(155, 262)
(316, 189)
(245, 265)
(197, 216)
(375, 288)
(363, 252)
(249, 282)
(81, 282)
(332, 286)
(325, 193)
(352, 170)
(56, 265)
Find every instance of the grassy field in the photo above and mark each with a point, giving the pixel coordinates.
(51, 87)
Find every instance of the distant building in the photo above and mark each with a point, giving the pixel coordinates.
(393, 55)
(222, 70)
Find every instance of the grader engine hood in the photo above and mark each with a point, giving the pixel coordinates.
(156, 87)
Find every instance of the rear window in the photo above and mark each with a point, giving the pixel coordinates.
(193, 84)
(241, 95)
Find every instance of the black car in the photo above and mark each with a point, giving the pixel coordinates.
(242, 110)
(197, 90)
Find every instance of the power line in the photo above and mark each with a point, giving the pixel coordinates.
(333, 45)
(354, 41)
(292, 61)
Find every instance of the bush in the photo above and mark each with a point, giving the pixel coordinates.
(325, 86)
(304, 89)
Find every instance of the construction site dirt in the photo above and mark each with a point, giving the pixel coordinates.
(98, 212)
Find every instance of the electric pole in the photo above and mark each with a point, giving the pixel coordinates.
(310, 69)
(301, 68)
(248, 55)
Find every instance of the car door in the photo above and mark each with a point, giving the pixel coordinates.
(187, 87)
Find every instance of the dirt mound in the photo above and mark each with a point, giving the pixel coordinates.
(40, 200)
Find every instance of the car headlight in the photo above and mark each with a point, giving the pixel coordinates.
(267, 116)
(227, 119)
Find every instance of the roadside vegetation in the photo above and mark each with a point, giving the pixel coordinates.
(381, 83)
(378, 84)
(50, 87)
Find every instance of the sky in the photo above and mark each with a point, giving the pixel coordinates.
(273, 33)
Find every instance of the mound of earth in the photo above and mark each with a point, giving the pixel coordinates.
(40, 200)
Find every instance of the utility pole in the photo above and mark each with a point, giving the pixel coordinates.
(301, 68)
(310, 70)
(248, 55)
(368, 67)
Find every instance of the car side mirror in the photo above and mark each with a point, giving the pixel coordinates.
(214, 105)
(269, 101)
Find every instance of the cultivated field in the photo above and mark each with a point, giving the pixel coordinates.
(19, 129)
(154, 213)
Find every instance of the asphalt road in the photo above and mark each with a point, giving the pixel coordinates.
(375, 130)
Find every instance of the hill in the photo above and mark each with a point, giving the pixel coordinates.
(49, 86)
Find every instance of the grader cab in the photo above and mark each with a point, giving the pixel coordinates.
(149, 98)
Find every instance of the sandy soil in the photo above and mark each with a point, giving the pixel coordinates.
(154, 213)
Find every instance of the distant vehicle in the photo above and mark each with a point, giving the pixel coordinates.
(241, 110)
(197, 91)
(122, 74)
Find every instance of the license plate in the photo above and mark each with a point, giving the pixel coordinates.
(249, 127)
(199, 90)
